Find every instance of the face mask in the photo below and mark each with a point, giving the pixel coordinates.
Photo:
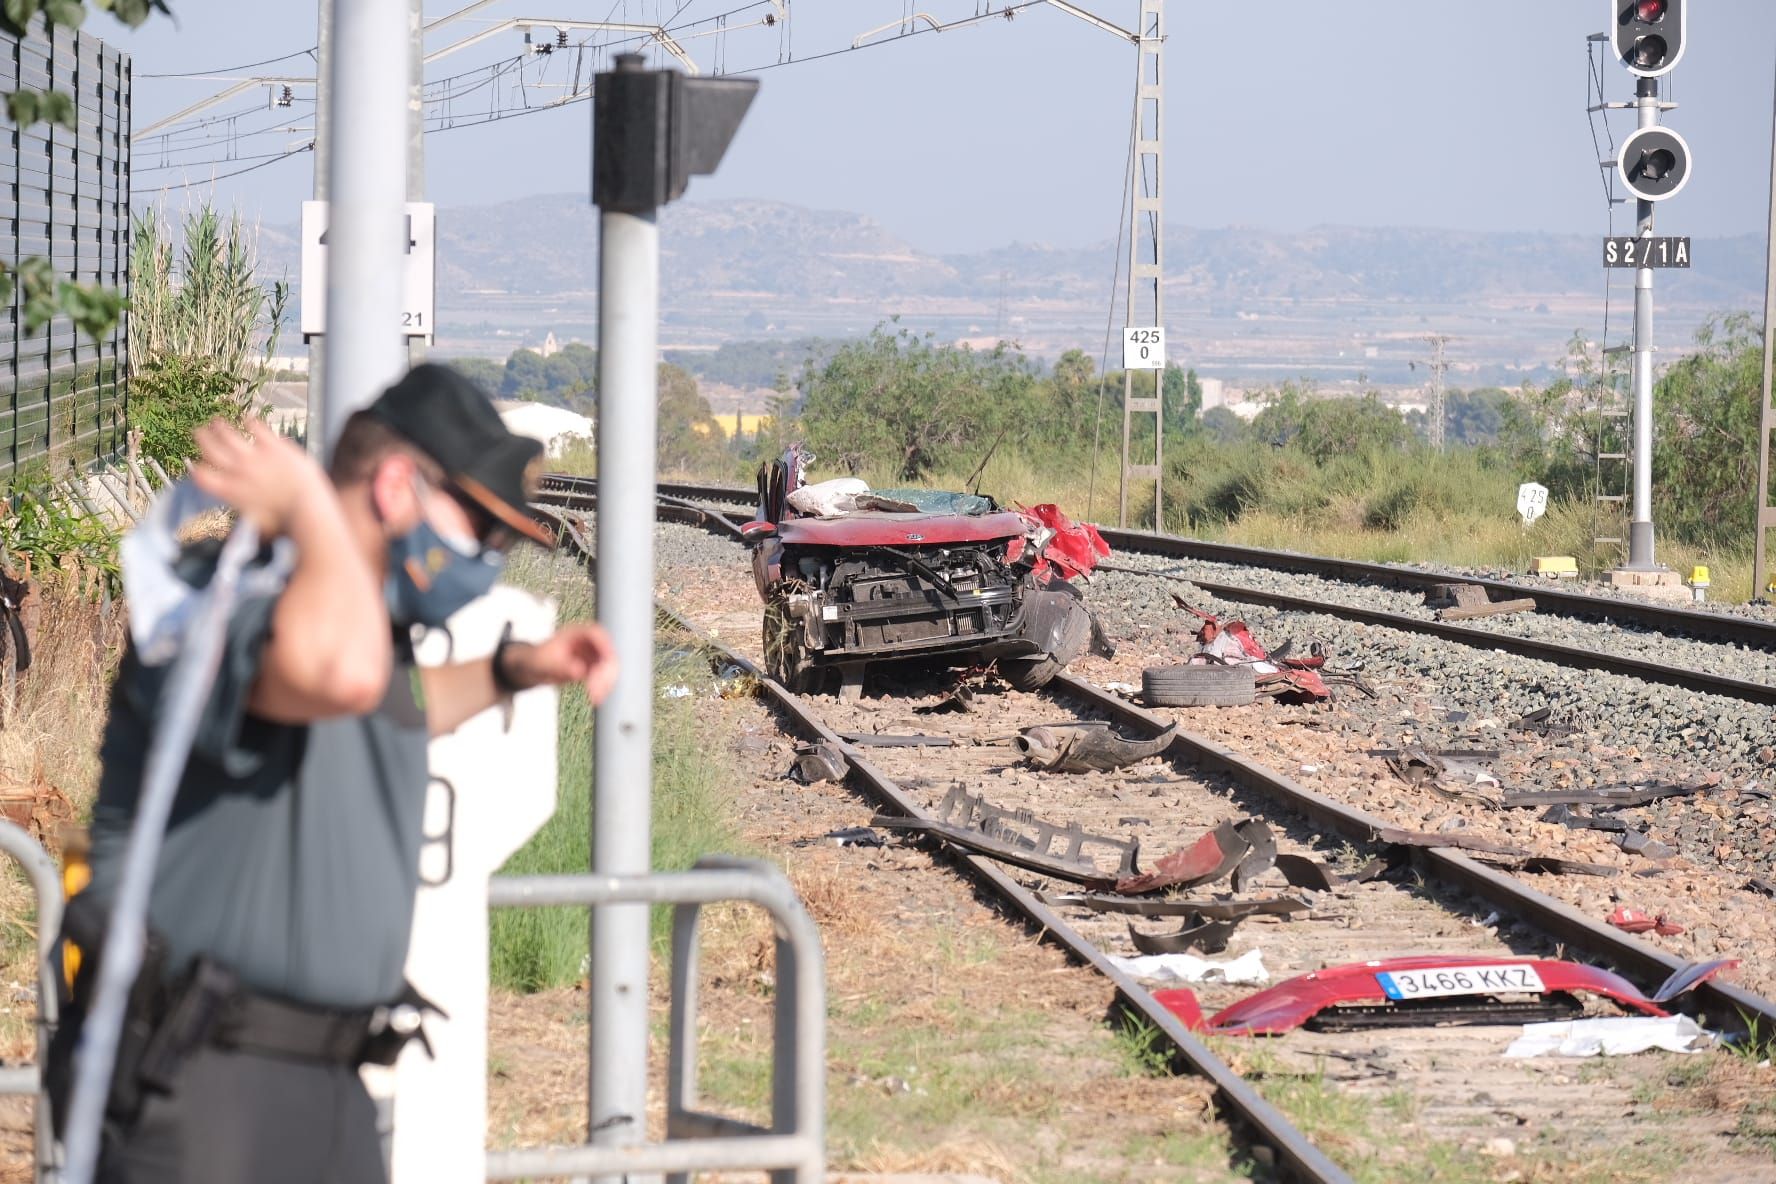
(431, 576)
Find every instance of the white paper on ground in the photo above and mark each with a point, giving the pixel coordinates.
(1188, 968)
(1612, 1036)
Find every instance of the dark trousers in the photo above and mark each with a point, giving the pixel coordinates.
(241, 1118)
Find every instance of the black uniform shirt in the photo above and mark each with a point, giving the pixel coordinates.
(292, 853)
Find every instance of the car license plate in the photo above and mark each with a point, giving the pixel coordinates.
(1460, 980)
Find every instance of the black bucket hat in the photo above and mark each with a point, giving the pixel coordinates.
(450, 419)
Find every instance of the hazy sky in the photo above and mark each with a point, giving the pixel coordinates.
(1443, 113)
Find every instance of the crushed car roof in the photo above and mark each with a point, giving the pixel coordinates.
(874, 528)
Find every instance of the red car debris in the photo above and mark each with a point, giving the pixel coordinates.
(1232, 644)
(1398, 987)
(1634, 921)
(859, 576)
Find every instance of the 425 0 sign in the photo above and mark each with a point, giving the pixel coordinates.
(1633, 251)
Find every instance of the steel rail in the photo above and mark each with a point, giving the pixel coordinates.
(1294, 1151)
(1722, 1003)
(1748, 631)
(1523, 647)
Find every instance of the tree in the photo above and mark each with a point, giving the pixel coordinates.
(897, 401)
(690, 440)
(524, 377)
(1328, 428)
(1705, 415)
(485, 373)
(1183, 399)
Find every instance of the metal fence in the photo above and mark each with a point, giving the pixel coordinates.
(65, 196)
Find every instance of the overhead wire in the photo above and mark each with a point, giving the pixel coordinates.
(450, 123)
(1122, 219)
(309, 52)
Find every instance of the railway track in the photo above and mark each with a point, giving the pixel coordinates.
(1205, 781)
(1551, 600)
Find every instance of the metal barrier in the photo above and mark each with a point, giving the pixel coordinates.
(46, 881)
(793, 1148)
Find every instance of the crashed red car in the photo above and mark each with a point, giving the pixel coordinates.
(867, 576)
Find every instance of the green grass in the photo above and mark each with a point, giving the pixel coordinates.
(1383, 507)
(533, 949)
(1145, 1049)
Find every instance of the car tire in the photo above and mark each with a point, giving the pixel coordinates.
(783, 653)
(1198, 686)
(1032, 674)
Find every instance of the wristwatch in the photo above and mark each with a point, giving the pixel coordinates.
(502, 681)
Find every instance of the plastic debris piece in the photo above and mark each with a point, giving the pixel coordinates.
(1634, 921)
(1611, 1036)
(1188, 968)
(855, 836)
(819, 762)
(1197, 932)
(1205, 861)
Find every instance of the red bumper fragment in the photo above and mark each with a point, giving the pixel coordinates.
(1292, 1003)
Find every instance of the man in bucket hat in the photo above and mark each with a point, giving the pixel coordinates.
(283, 899)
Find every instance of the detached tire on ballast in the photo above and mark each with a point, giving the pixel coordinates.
(1197, 686)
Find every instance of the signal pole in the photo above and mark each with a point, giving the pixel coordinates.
(1640, 522)
(1649, 38)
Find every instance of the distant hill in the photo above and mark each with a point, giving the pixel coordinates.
(750, 269)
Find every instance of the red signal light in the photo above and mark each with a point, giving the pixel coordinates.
(1650, 12)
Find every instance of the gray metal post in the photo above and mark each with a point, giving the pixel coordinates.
(416, 346)
(366, 182)
(323, 159)
(628, 320)
(1640, 524)
(1765, 516)
(652, 131)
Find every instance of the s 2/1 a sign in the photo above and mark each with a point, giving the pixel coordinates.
(1633, 251)
(417, 269)
(1143, 348)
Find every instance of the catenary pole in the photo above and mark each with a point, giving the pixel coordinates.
(628, 332)
(1640, 524)
(366, 189)
(1760, 579)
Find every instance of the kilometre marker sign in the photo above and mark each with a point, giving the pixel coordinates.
(417, 319)
(1143, 348)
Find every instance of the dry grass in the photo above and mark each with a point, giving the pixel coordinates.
(49, 751)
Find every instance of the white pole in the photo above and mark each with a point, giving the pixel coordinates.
(1640, 523)
(628, 329)
(366, 184)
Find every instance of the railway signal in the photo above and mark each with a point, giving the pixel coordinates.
(1654, 163)
(1648, 35)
